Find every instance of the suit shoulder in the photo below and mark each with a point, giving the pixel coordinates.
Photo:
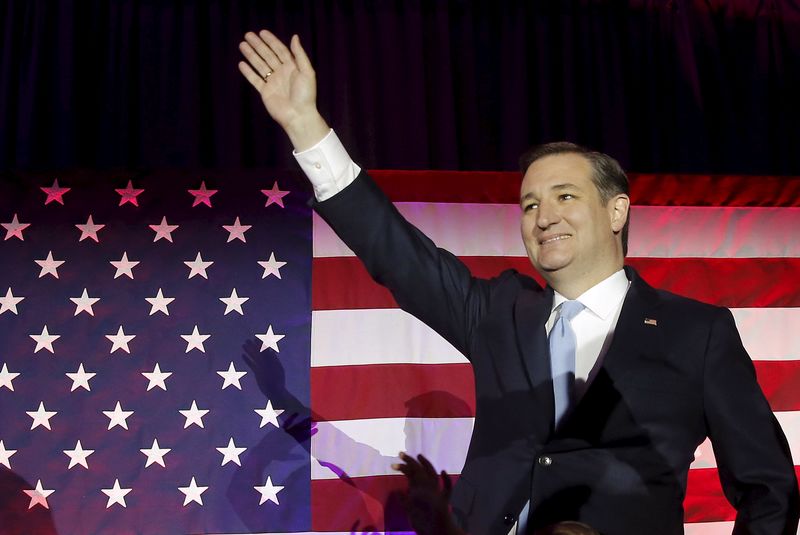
(512, 278)
(691, 308)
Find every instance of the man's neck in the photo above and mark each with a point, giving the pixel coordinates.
(572, 287)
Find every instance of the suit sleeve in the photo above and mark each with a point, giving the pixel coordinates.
(426, 281)
(753, 458)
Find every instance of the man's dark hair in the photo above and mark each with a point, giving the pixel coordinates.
(607, 175)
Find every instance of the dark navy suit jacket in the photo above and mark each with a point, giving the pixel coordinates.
(620, 461)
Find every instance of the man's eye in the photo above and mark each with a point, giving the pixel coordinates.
(566, 196)
(529, 207)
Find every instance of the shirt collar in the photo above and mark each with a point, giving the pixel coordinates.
(601, 299)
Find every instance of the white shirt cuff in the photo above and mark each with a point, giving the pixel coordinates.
(328, 166)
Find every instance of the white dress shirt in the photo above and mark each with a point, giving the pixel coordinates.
(593, 326)
(328, 166)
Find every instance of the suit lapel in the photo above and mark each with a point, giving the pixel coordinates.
(531, 311)
(634, 336)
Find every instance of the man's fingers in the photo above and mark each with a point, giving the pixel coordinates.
(276, 46)
(300, 56)
(254, 79)
(426, 465)
(265, 53)
(447, 483)
(256, 61)
(404, 468)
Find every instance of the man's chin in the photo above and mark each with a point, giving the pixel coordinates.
(551, 267)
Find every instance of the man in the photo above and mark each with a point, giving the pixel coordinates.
(592, 393)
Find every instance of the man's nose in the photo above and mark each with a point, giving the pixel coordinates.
(546, 215)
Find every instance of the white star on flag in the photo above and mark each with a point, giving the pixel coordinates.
(49, 266)
(230, 453)
(198, 266)
(275, 195)
(156, 378)
(78, 455)
(202, 195)
(234, 302)
(129, 194)
(80, 379)
(120, 340)
(54, 193)
(192, 493)
(9, 302)
(6, 377)
(270, 340)
(84, 303)
(269, 492)
(124, 266)
(155, 454)
(231, 377)
(193, 415)
(269, 415)
(163, 230)
(5, 455)
(44, 340)
(89, 230)
(39, 495)
(118, 417)
(271, 266)
(14, 228)
(195, 340)
(41, 416)
(159, 303)
(236, 231)
(116, 494)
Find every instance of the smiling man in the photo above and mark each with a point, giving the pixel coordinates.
(574, 220)
(593, 392)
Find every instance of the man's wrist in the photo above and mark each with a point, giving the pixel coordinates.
(307, 130)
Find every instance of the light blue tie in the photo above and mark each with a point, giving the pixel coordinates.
(562, 357)
(562, 366)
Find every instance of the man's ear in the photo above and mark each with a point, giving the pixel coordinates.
(618, 210)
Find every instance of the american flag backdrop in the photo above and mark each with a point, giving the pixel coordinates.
(381, 382)
(154, 354)
(125, 315)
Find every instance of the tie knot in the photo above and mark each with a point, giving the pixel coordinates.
(570, 309)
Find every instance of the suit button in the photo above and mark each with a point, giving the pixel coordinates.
(509, 519)
(544, 460)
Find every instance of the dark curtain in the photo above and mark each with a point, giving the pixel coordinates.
(682, 85)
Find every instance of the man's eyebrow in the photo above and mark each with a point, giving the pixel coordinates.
(527, 196)
(557, 187)
(566, 185)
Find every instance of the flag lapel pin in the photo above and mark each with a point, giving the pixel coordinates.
(650, 321)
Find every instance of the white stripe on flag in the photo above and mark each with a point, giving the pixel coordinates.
(362, 448)
(387, 336)
(369, 447)
(656, 231)
(376, 336)
(708, 528)
(769, 333)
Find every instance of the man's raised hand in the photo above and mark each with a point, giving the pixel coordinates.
(287, 83)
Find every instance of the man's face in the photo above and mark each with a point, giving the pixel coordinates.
(569, 233)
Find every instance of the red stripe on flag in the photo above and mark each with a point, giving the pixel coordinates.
(448, 391)
(392, 391)
(646, 189)
(359, 504)
(705, 502)
(729, 282)
(779, 380)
